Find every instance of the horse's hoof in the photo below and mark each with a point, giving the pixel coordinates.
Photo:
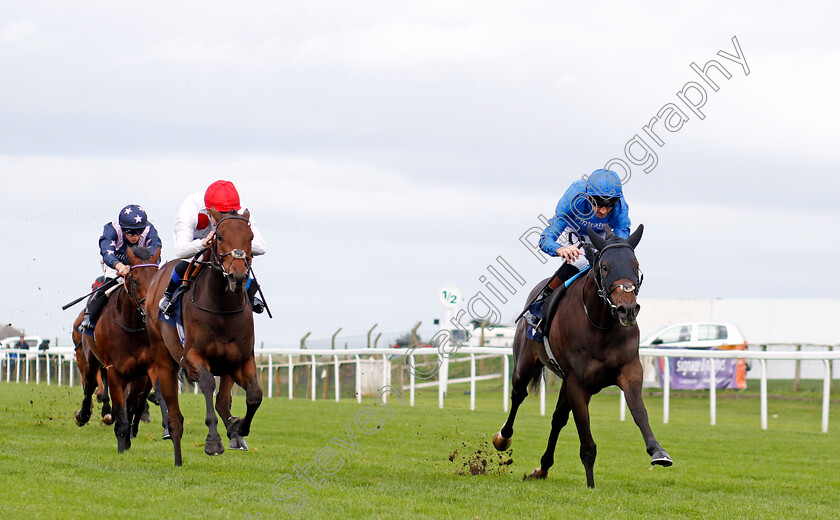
(500, 442)
(237, 425)
(108, 419)
(145, 417)
(537, 474)
(80, 419)
(214, 447)
(661, 458)
(123, 444)
(238, 443)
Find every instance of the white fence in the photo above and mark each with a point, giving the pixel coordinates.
(373, 370)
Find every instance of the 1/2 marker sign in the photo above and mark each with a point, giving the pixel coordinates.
(449, 296)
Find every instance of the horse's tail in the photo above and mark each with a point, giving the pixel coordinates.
(539, 376)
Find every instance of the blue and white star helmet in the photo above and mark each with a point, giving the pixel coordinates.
(133, 217)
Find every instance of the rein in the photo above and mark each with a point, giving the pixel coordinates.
(138, 302)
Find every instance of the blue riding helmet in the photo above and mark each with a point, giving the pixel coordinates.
(603, 183)
(133, 217)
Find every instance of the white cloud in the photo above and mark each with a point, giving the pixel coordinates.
(19, 33)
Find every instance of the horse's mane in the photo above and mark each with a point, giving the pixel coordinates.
(141, 252)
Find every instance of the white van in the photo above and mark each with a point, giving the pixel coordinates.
(35, 343)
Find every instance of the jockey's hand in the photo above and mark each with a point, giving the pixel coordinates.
(208, 239)
(569, 253)
(122, 269)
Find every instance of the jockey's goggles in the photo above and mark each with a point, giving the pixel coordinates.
(132, 232)
(603, 202)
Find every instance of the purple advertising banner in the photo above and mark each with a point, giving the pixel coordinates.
(693, 373)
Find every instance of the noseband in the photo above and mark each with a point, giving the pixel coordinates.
(603, 292)
(625, 287)
(132, 294)
(218, 262)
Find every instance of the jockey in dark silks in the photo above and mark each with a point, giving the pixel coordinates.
(588, 203)
(131, 227)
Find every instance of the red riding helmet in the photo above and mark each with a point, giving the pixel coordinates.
(222, 196)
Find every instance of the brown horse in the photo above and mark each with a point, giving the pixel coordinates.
(93, 377)
(219, 335)
(121, 344)
(595, 342)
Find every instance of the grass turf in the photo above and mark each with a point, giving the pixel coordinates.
(54, 469)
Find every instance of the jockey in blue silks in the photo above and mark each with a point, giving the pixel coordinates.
(588, 203)
(132, 226)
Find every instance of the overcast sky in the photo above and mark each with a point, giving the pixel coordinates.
(388, 148)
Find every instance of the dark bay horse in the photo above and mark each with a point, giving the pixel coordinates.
(121, 345)
(93, 376)
(595, 341)
(219, 335)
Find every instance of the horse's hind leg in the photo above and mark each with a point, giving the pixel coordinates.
(167, 374)
(558, 421)
(240, 428)
(107, 413)
(526, 369)
(579, 401)
(630, 382)
(164, 409)
(207, 385)
(89, 386)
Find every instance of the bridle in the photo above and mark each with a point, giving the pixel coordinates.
(218, 260)
(603, 293)
(130, 285)
(217, 264)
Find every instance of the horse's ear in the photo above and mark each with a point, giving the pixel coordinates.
(608, 232)
(633, 240)
(247, 214)
(156, 257)
(130, 252)
(214, 214)
(596, 239)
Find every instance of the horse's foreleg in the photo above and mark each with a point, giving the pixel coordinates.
(136, 403)
(558, 421)
(223, 404)
(579, 402)
(247, 379)
(207, 385)
(122, 428)
(630, 382)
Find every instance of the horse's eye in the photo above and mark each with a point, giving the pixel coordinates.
(218, 237)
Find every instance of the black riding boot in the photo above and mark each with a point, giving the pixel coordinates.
(257, 305)
(93, 309)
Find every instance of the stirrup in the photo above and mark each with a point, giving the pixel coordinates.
(85, 324)
(165, 305)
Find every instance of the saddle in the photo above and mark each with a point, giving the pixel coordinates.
(540, 314)
(189, 275)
